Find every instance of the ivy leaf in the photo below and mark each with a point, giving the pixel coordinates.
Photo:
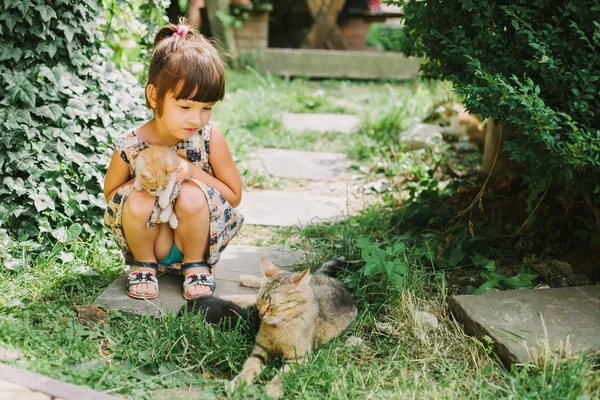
(68, 30)
(46, 47)
(60, 234)
(42, 201)
(20, 88)
(47, 13)
(10, 19)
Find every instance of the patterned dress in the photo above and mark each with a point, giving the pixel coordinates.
(225, 221)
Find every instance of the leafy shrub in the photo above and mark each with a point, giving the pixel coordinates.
(62, 101)
(532, 65)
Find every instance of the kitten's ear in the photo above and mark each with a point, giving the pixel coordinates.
(269, 269)
(147, 176)
(301, 278)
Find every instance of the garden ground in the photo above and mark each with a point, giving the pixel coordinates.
(389, 352)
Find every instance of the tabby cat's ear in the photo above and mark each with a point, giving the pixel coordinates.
(148, 176)
(269, 269)
(301, 278)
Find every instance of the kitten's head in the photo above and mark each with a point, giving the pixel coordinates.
(284, 295)
(154, 167)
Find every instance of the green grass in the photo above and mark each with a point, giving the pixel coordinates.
(386, 354)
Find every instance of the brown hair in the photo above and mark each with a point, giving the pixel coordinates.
(187, 64)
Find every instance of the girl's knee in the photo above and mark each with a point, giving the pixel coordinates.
(191, 200)
(138, 205)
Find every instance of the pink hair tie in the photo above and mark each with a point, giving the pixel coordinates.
(181, 30)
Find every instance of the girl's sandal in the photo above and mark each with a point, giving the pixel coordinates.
(204, 279)
(139, 277)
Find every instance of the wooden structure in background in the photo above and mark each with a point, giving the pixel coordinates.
(324, 33)
(319, 63)
(321, 50)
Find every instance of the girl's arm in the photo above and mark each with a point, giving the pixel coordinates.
(116, 176)
(227, 179)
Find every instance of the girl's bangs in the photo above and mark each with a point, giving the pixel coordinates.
(201, 84)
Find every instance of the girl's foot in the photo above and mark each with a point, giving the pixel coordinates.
(141, 281)
(198, 280)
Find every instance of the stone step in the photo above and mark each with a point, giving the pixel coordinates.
(279, 208)
(523, 323)
(303, 164)
(316, 122)
(235, 261)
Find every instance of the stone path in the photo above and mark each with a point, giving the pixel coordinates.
(527, 323)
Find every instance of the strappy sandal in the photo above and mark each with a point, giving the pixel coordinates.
(138, 277)
(204, 279)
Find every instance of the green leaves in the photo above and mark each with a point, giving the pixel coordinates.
(18, 89)
(391, 261)
(57, 118)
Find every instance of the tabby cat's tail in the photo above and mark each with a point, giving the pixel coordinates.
(330, 268)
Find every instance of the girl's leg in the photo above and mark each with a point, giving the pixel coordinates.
(140, 238)
(192, 234)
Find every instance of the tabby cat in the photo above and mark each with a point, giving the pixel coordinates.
(155, 173)
(299, 312)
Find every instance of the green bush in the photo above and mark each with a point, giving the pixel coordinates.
(534, 65)
(62, 101)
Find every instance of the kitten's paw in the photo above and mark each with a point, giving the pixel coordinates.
(173, 221)
(274, 389)
(163, 200)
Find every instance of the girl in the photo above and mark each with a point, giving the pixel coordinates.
(186, 79)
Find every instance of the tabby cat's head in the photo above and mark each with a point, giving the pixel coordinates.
(284, 296)
(154, 167)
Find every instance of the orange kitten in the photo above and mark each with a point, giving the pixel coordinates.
(462, 123)
(155, 173)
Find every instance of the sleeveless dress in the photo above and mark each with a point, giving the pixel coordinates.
(225, 221)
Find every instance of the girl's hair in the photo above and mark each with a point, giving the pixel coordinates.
(185, 62)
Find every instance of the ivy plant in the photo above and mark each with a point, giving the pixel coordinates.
(62, 102)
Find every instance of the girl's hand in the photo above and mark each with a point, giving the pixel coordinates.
(183, 171)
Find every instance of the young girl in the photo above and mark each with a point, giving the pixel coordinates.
(186, 79)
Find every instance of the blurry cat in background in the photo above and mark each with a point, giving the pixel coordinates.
(155, 173)
(460, 122)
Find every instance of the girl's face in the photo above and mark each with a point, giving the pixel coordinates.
(183, 118)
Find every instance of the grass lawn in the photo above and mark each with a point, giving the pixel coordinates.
(389, 353)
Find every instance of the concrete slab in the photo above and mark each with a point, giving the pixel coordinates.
(309, 122)
(191, 393)
(278, 208)
(524, 322)
(44, 387)
(310, 165)
(235, 261)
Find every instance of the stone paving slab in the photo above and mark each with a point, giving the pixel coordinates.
(279, 208)
(19, 384)
(517, 320)
(235, 261)
(310, 165)
(192, 393)
(309, 122)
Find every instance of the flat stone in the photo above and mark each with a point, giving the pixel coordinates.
(304, 164)
(7, 354)
(43, 387)
(421, 135)
(192, 393)
(524, 322)
(278, 208)
(308, 122)
(235, 261)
